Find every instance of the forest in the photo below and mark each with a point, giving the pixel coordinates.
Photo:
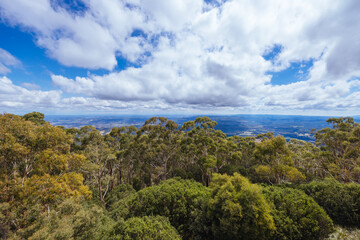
(165, 181)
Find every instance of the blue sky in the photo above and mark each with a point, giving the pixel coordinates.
(180, 56)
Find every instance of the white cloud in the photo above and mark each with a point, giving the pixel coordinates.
(298, 97)
(17, 98)
(7, 60)
(202, 55)
(12, 95)
(31, 86)
(91, 40)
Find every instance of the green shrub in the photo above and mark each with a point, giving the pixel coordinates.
(117, 193)
(174, 198)
(238, 210)
(341, 201)
(144, 228)
(296, 215)
(70, 220)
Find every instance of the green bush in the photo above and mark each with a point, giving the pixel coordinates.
(117, 193)
(70, 220)
(144, 228)
(341, 201)
(174, 198)
(296, 215)
(238, 210)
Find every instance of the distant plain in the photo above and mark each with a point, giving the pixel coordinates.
(289, 126)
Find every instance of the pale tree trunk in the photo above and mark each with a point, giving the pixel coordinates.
(100, 187)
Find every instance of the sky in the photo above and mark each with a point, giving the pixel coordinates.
(180, 56)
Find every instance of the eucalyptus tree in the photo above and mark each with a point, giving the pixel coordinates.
(160, 138)
(119, 140)
(307, 158)
(100, 158)
(242, 157)
(200, 146)
(37, 170)
(341, 148)
(274, 162)
(35, 117)
(25, 147)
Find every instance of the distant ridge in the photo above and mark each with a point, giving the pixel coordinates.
(290, 126)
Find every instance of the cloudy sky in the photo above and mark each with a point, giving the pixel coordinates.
(180, 56)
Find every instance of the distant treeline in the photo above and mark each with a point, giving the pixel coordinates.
(163, 181)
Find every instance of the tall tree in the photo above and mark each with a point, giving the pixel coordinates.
(199, 146)
(162, 144)
(99, 160)
(119, 140)
(37, 169)
(341, 148)
(307, 158)
(274, 163)
(35, 117)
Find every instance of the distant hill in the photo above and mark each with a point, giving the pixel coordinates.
(290, 126)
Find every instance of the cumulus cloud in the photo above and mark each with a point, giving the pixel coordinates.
(193, 53)
(91, 40)
(13, 96)
(103, 31)
(17, 98)
(7, 60)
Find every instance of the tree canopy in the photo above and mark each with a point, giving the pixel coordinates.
(166, 181)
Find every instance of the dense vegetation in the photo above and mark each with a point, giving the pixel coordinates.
(165, 181)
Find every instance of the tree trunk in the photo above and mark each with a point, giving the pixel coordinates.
(100, 187)
(111, 177)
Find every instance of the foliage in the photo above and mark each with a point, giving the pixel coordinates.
(42, 165)
(70, 220)
(238, 210)
(119, 140)
(47, 189)
(37, 169)
(307, 158)
(5, 220)
(245, 147)
(296, 215)
(98, 169)
(174, 198)
(200, 146)
(146, 228)
(161, 145)
(274, 163)
(341, 148)
(14, 218)
(119, 192)
(340, 201)
(35, 117)
(27, 149)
